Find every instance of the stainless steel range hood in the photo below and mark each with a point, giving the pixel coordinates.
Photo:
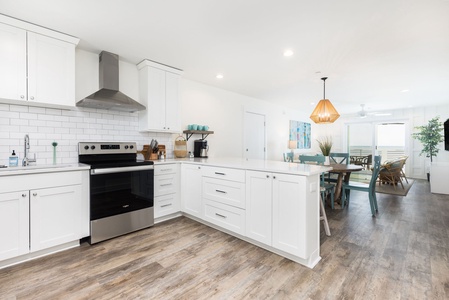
(109, 96)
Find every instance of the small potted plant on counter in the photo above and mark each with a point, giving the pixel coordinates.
(325, 145)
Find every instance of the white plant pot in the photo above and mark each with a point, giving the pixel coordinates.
(327, 160)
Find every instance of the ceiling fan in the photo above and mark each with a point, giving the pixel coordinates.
(363, 113)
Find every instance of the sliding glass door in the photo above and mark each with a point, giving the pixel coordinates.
(388, 139)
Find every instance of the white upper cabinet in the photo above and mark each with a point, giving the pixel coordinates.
(38, 65)
(13, 71)
(159, 92)
(51, 70)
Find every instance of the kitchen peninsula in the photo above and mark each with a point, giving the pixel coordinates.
(272, 204)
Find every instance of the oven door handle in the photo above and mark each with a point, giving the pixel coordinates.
(120, 170)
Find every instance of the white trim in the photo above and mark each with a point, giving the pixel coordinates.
(38, 29)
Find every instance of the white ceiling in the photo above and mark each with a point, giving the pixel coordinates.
(371, 50)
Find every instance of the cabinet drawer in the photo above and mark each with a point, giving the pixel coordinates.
(165, 205)
(165, 169)
(224, 173)
(225, 216)
(223, 191)
(165, 184)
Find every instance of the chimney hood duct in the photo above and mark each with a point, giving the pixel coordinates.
(109, 97)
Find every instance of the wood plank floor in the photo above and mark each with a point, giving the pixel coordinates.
(401, 254)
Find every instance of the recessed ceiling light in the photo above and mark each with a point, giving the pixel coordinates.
(405, 91)
(219, 76)
(288, 53)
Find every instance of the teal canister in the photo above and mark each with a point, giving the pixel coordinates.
(13, 160)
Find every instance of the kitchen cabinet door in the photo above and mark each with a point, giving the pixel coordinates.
(290, 214)
(172, 119)
(14, 224)
(259, 206)
(56, 216)
(191, 199)
(159, 92)
(51, 70)
(13, 70)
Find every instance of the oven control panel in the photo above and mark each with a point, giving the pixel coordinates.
(89, 148)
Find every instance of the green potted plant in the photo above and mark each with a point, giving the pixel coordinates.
(430, 136)
(325, 145)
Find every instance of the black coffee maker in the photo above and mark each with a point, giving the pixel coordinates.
(200, 148)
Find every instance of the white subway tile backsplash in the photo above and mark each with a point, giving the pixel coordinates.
(28, 116)
(37, 110)
(67, 128)
(52, 111)
(20, 108)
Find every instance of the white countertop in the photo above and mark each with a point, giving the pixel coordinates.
(255, 165)
(42, 169)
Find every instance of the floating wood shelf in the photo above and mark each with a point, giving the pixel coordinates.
(203, 133)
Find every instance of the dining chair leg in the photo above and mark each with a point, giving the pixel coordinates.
(323, 217)
(371, 203)
(375, 201)
(332, 199)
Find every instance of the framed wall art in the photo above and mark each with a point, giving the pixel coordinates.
(300, 132)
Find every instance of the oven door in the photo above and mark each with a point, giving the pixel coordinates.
(115, 191)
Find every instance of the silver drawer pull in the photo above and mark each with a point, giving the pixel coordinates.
(224, 217)
(219, 173)
(165, 205)
(35, 194)
(166, 184)
(223, 192)
(24, 195)
(125, 206)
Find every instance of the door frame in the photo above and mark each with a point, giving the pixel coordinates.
(257, 111)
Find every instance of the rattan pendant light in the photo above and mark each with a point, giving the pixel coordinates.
(324, 112)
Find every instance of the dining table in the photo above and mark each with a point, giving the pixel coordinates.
(344, 172)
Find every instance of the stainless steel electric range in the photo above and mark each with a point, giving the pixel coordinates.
(121, 189)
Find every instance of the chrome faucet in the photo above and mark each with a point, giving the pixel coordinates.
(26, 161)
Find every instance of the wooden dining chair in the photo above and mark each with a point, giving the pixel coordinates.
(336, 158)
(339, 158)
(325, 188)
(359, 186)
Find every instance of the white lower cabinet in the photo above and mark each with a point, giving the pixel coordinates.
(166, 190)
(224, 198)
(259, 206)
(295, 215)
(191, 200)
(40, 211)
(14, 224)
(225, 216)
(54, 216)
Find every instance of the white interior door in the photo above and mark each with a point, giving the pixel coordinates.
(254, 136)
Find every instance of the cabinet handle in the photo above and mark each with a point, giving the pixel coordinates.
(274, 177)
(165, 205)
(32, 98)
(166, 184)
(22, 97)
(199, 167)
(34, 194)
(224, 217)
(24, 195)
(223, 192)
(268, 176)
(219, 173)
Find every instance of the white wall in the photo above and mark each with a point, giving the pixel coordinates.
(223, 112)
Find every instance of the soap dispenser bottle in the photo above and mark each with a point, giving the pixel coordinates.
(13, 160)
